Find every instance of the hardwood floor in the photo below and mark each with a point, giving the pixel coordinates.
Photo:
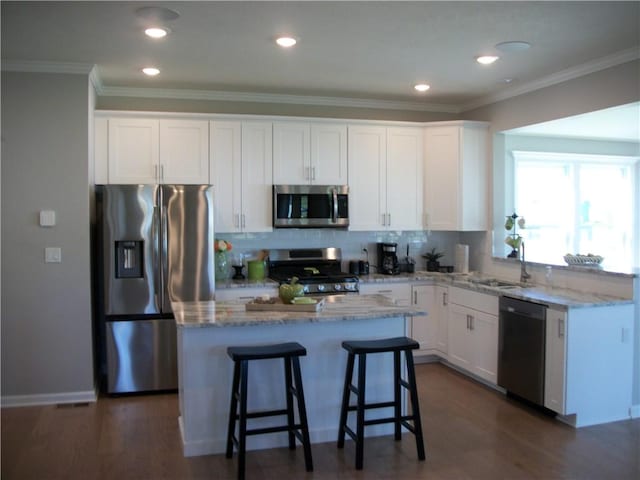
(471, 432)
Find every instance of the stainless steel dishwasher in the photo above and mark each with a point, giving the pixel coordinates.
(521, 348)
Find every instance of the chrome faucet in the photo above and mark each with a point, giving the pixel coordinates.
(524, 276)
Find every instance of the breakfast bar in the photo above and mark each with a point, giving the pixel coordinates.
(206, 329)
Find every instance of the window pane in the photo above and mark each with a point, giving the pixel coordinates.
(544, 196)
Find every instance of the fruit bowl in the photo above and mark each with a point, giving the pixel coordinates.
(586, 260)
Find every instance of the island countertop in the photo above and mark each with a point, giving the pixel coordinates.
(336, 308)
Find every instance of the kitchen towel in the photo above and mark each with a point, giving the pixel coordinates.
(462, 258)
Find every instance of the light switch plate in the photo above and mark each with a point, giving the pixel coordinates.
(47, 218)
(52, 255)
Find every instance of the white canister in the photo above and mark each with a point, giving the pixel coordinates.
(461, 258)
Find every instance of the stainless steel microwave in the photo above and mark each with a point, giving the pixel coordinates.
(310, 206)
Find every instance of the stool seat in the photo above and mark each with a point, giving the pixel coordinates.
(262, 352)
(383, 345)
(411, 422)
(289, 352)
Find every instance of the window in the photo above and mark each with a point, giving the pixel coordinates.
(576, 203)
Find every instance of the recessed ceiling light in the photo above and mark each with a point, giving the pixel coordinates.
(422, 87)
(156, 32)
(151, 71)
(286, 42)
(513, 46)
(506, 80)
(486, 59)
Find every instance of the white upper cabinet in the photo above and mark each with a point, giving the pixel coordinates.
(385, 178)
(133, 150)
(241, 172)
(147, 150)
(184, 151)
(456, 176)
(306, 153)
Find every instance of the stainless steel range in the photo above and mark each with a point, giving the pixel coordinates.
(318, 269)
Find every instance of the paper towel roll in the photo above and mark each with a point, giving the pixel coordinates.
(462, 258)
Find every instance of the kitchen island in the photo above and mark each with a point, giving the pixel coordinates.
(206, 329)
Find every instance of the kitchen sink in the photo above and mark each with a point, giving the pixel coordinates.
(492, 282)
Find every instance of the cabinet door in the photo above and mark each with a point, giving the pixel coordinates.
(555, 366)
(226, 174)
(441, 311)
(424, 328)
(257, 177)
(367, 187)
(484, 334)
(133, 150)
(442, 177)
(329, 154)
(404, 172)
(184, 151)
(291, 153)
(400, 292)
(460, 353)
(244, 295)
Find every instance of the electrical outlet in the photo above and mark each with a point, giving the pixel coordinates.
(52, 255)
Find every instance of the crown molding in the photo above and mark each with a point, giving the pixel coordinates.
(593, 66)
(228, 96)
(47, 67)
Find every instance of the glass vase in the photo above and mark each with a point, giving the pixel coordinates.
(222, 266)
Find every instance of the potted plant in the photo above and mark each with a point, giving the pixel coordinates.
(433, 265)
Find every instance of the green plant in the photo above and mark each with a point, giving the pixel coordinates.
(433, 256)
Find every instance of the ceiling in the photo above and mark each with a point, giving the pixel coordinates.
(347, 51)
(617, 123)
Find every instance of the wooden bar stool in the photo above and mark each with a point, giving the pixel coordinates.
(362, 349)
(241, 356)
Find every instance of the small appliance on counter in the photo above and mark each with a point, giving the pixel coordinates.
(388, 259)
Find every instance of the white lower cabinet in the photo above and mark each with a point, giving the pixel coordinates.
(399, 292)
(473, 333)
(589, 364)
(244, 294)
(431, 330)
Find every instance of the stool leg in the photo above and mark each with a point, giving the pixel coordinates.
(302, 413)
(362, 370)
(415, 405)
(289, 395)
(397, 407)
(346, 391)
(233, 409)
(242, 418)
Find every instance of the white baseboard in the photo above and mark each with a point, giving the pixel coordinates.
(635, 411)
(48, 399)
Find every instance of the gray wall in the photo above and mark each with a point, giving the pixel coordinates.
(614, 86)
(46, 308)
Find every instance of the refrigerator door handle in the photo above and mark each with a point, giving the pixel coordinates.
(163, 253)
(155, 229)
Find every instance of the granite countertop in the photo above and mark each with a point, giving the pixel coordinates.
(336, 308)
(557, 297)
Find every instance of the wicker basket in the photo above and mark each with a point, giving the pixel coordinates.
(583, 260)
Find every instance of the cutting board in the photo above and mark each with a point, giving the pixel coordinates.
(252, 306)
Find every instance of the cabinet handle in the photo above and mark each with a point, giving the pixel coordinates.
(156, 175)
(236, 220)
(467, 322)
(313, 173)
(384, 220)
(415, 298)
(307, 174)
(560, 327)
(243, 221)
(162, 173)
(388, 219)
(444, 299)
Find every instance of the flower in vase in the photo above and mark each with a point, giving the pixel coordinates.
(222, 246)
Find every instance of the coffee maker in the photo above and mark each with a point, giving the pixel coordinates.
(388, 259)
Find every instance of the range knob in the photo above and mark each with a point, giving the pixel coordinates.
(321, 287)
(337, 287)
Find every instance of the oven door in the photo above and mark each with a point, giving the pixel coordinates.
(310, 206)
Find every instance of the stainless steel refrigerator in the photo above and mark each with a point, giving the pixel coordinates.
(154, 245)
